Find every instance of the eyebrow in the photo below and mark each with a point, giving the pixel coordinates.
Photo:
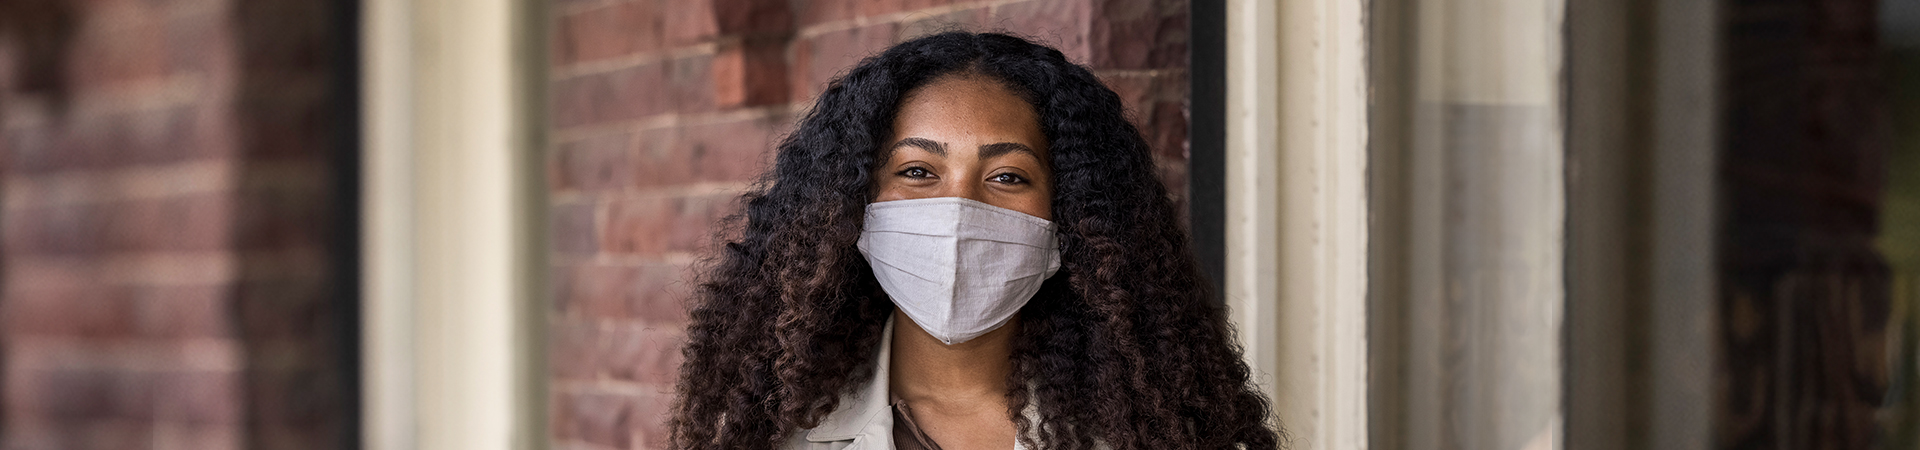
(922, 143)
(986, 151)
(991, 151)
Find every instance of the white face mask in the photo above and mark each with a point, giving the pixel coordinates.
(959, 268)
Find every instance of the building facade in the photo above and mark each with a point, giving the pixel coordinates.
(470, 224)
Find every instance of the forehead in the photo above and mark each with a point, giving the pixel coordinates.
(967, 110)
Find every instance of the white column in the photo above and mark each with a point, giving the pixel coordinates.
(1253, 187)
(387, 315)
(1483, 218)
(454, 225)
(1297, 211)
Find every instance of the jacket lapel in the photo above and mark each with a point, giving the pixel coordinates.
(864, 419)
(863, 416)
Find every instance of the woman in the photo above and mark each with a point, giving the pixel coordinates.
(963, 245)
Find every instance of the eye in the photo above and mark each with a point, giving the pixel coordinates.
(1008, 178)
(916, 172)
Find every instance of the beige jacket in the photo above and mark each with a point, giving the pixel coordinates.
(863, 420)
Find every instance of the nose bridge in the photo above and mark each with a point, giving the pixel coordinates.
(965, 181)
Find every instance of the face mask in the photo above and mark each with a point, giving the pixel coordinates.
(959, 268)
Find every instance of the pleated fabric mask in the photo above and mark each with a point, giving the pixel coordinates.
(959, 268)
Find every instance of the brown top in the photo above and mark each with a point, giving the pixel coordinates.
(906, 434)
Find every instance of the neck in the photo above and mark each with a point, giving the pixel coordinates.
(928, 373)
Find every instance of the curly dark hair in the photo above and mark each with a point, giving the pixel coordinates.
(1124, 346)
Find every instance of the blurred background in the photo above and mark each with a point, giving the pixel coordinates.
(1439, 224)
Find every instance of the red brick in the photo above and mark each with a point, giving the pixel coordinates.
(659, 294)
(965, 19)
(728, 151)
(570, 350)
(619, 29)
(197, 398)
(72, 394)
(279, 309)
(649, 356)
(286, 117)
(1134, 89)
(870, 8)
(656, 226)
(648, 419)
(680, 85)
(159, 82)
(193, 223)
(599, 163)
(595, 290)
(1138, 34)
(1060, 24)
(690, 22)
(594, 418)
(753, 17)
(188, 397)
(658, 159)
(1173, 85)
(189, 48)
(823, 11)
(652, 294)
(179, 311)
(1157, 104)
(59, 320)
(586, 350)
(297, 436)
(623, 94)
(921, 4)
(69, 305)
(90, 310)
(131, 48)
(280, 38)
(750, 74)
(162, 135)
(730, 74)
(199, 437)
(297, 395)
(613, 420)
(1166, 130)
(88, 435)
(690, 80)
(823, 57)
(573, 229)
(183, 223)
(57, 229)
(558, 288)
(271, 218)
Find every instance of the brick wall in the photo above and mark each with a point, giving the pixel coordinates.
(664, 110)
(171, 225)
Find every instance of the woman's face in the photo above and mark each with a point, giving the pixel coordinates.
(968, 137)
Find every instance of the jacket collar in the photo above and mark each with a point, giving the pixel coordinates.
(865, 416)
(863, 413)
